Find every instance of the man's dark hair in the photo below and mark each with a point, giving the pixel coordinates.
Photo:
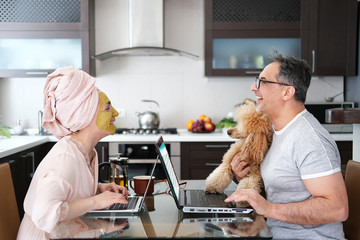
(295, 72)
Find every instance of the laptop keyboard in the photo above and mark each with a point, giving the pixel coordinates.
(206, 199)
(120, 206)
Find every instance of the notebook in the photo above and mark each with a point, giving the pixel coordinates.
(134, 202)
(193, 201)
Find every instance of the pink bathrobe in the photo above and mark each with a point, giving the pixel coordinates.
(65, 175)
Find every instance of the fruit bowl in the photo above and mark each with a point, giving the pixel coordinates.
(203, 131)
(201, 125)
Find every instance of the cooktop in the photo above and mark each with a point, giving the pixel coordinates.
(142, 131)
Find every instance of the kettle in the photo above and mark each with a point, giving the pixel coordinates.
(149, 119)
(119, 170)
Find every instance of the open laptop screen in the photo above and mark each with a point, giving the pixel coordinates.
(168, 165)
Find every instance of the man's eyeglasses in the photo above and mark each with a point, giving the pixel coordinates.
(258, 81)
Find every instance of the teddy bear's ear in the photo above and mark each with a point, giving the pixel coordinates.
(255, 147)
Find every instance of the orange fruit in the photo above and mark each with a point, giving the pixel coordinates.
(188, 124)
(202, 117)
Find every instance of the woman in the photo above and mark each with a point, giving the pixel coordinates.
(65, 185)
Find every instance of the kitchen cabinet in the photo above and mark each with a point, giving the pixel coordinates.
(329, 36)
(239, 35)
(36, 38)
(23, 166)
(199, 159)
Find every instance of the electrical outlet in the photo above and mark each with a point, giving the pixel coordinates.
(122, 113)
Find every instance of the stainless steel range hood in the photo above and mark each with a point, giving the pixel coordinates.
(146, 32)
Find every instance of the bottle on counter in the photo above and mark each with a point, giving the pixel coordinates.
(18, 129)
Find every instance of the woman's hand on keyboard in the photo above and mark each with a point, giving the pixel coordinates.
(108, 198)
(102, 187)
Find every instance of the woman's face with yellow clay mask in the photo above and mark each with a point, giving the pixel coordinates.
(106, 114)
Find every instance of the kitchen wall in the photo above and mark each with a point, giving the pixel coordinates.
(178, 84)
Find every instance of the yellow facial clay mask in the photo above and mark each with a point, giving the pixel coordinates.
(106, 114)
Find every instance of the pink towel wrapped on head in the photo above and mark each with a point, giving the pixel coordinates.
(70, 101)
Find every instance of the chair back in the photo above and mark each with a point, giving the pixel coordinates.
(352, 182)
(9, 214)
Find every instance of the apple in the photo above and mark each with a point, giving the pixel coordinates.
(207, 119)
(209, 126)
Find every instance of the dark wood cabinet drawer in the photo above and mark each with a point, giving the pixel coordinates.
(199, 159)
(216, 146)
(200, 173)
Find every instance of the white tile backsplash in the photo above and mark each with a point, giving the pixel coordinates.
(322, 87)
(182, 94)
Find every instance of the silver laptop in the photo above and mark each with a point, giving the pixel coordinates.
(230, 219)
(134, 205)
(193, 201)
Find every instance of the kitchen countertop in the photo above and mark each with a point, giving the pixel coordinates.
(15, 144)
(182, 136)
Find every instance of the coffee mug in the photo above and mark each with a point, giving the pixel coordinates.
(139, 184)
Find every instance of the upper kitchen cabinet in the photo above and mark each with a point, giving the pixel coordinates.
(329, 35)
(38, 37)
(239, 35)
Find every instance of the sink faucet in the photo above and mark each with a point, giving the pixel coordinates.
(41, 129)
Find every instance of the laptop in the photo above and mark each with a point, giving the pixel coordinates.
(193, 201)
(134, 205)
(217, 219)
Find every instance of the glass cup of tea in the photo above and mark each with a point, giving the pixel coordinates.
(119, 180)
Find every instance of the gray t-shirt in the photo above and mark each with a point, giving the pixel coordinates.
(303, 149)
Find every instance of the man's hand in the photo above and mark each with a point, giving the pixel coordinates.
(239, 167)
(257, 202)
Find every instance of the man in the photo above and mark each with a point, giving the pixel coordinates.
(305, 191)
